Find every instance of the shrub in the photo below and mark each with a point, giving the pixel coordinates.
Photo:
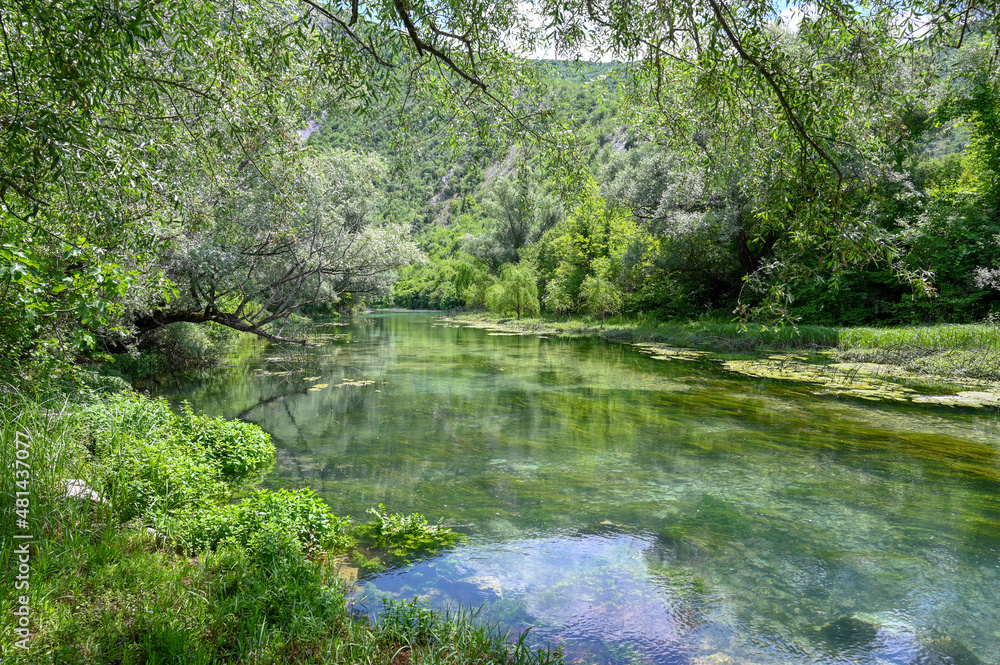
(270, 580)
(151, 460)
(159, 476)
(133, 366)
(242, 451)
(183, 345)
(101, 383)
(300, 514)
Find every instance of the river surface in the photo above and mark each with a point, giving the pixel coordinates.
(633, 510)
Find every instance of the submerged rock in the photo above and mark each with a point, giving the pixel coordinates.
(473, 590)
(849, 633)
(348, 573)
(946, 651)
(488, 585)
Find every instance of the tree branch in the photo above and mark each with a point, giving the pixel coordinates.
(161, 318)
(773, 84)
(346, 27)
(424, 46)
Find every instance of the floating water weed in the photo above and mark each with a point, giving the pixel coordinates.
(869, 380)
(402, 536)
(666, 352)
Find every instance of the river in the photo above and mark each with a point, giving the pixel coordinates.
(634, 510)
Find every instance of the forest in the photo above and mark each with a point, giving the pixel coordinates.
(196, 186)
(653, 230)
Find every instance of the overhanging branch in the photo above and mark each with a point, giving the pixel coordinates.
(164, 317)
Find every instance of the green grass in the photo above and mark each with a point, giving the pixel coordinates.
(940, 337)
(950, 350)
(707, 333)
(104, 589)
(945, 350)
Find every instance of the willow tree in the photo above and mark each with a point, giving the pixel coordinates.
(601, 297)
(518, 211)
(515, 292)
(267, 255)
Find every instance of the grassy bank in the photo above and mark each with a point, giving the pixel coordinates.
(708, 334)
(943, 351)
(178, 558)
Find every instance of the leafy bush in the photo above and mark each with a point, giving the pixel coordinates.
(241, 450)
(184, 345)
(300, 515)
(160, 476)
(404, 535)
(101, 383)
(151, 460)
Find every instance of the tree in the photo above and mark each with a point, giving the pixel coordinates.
(266, 256)
(601, 297)
(697, 207)
(593, 241)
(472, 281)
(519, 211)
(516, 291)
(123, 126)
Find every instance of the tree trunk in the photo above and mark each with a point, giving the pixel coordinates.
(164, 317)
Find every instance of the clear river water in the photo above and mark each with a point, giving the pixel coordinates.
(634, 510)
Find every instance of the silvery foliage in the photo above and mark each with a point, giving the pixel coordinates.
(987, 278)
(276, 245)
(671, 196)
(656, 185)
(519, 211)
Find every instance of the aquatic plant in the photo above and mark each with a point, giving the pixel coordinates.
(456, 637)
(402, 536)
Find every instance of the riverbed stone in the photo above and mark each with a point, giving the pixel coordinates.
(489, 585)
(849, 633)
(77, 489)
(946, 651)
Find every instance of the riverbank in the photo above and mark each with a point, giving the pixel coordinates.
(145, 539)
(950, 364)
(714, 335)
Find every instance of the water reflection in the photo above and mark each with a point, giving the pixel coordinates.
(636, 510)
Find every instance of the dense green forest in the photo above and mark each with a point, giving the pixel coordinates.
(661, 235)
